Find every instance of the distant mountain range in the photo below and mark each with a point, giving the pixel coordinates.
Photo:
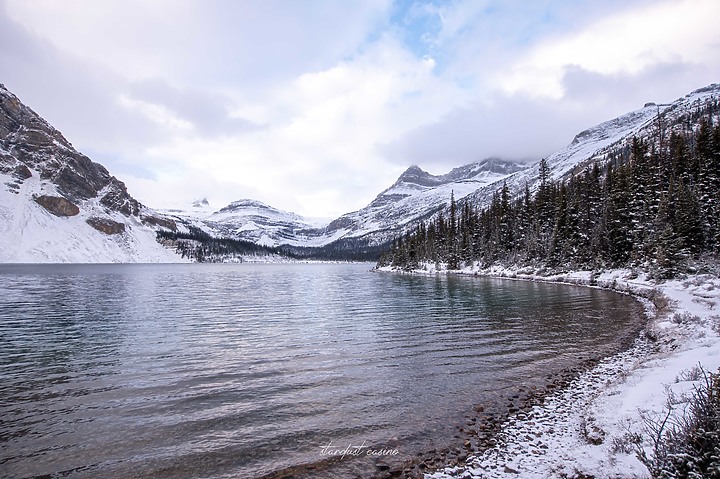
(415, 196)
(56, 205)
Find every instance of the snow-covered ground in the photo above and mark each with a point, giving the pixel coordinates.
(30, 234)
(590, 428)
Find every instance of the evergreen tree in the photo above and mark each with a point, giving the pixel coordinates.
(650, 203)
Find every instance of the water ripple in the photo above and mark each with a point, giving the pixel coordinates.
(239, 370)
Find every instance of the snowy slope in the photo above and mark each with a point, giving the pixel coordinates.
(596, 143)
(36, 160)
(31, 234)
(249, 220)
(418, 195)
(414, 196)
(58, 206)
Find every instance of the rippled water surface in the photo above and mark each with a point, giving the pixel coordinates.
(241, 370)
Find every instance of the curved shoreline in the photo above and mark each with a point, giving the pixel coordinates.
(578, 430)
(489, 427)
(477, 429)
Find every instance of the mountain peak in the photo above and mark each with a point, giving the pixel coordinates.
(201, 203)
(245, 203)
(418, 176)
(66, 199)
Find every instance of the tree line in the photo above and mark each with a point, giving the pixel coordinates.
(652, 204)
(202, 247)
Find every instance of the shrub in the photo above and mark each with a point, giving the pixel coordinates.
(687, 445)
(685, 318)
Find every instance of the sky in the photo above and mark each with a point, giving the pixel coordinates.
(317, 106)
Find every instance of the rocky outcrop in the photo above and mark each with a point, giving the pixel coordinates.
(49, 190)
(29, 143)
(22, 173)
(163, 222)
(106, 225)
(57, 205)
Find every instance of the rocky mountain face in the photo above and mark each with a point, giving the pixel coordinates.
(248, 220)
(415, 196)
(418, 195)
(58, 205)
(30, 143)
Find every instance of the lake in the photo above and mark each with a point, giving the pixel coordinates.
(211, 371)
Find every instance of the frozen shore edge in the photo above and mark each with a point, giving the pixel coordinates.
(583, 430)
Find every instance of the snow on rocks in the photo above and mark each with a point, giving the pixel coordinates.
(595, 425)
(555, 439)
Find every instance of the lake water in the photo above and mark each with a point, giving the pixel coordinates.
(242, 370)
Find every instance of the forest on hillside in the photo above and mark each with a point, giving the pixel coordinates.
(653, 204)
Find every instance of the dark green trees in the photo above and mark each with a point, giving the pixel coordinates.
(654, 204)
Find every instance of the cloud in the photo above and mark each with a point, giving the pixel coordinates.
(523, 126)
(200, 111)
(316, 107)
(317, 149)
(77, 98)
(212, 43)
(546, 90)
(626, 43)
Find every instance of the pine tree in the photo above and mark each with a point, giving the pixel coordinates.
(618, 219)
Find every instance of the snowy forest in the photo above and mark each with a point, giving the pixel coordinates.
(653, 203)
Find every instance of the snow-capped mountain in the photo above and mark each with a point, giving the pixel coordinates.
(58, 206)
(249, 220)
(599, 143)
(418, 195)
(415, 196)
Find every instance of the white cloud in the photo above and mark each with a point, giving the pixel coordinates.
(317, 106)
(670, 32)
(212, 43)
(159, 114)
(317, 151)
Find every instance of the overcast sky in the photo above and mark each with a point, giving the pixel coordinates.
(317, 106)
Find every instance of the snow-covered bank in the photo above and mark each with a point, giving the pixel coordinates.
(590, 428)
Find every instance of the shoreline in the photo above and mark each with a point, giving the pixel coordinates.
(584, 428)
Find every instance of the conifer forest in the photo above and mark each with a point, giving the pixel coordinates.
(652, 203)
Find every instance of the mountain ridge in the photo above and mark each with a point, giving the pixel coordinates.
(57, 205)
(48, 184)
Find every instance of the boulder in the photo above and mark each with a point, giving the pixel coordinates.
(57, 205)
(106, 225)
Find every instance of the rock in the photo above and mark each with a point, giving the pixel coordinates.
(510, 470)
(36, 145)
(163, 222)
(57, 205)
(106, 226)
(22, 172)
